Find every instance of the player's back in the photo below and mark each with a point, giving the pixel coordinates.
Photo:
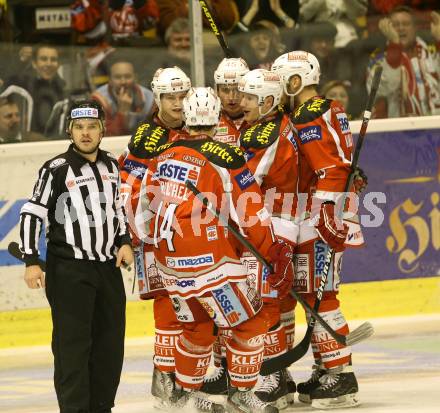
(325, 145)
(189, 241)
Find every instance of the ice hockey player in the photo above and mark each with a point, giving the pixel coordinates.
(325, 146)
(272, 157)
(226, 78)
(198, 260)
(169, 86)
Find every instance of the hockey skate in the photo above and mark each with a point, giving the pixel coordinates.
(305, 388)
(245, 401)
(291, 388)
(195, 400)
(338, 388)
(162, 386)
(217, 382)
(273, 389)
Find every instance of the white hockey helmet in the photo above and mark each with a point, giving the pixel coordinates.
(298, 62)
(230, 71)
(169, 80)
(262, 83)
(201, 107)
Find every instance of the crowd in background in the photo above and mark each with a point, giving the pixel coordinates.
(109, 49)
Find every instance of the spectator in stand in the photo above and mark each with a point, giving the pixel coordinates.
(410, 83)
(262, 45)
(225, 11)
(129, 18)
(43, 83)
(125, 102)
(281, 12)
(342, 13)
(338, 90)
(178, 53)
(319, 39)
(11, 130)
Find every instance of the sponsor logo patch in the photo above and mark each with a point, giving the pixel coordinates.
(135, 168)
(211, 233)
(343, 122)
(79, 181)
(84, 113)
(177, 171)
(248, 155)
(245, 179)
(222, 130)
(263, 214)
(190, 262)
(225, 303)
(310, 133)
(57, 162)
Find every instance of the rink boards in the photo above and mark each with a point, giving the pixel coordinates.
(394, 275)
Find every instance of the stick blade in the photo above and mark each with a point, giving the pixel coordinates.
(361, 333)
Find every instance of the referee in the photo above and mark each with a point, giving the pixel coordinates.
(77, 192)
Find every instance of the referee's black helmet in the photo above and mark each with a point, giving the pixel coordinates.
(85, 109)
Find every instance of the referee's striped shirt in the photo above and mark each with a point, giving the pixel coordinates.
(80, 202)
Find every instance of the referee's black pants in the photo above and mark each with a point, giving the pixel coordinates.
(87, 301)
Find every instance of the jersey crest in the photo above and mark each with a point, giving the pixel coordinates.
(262, 134)
(310, 110)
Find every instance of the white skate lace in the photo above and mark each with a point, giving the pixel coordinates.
(328, 380)
(251, 400)
(217, 373)
(200, 401)
(315, 374)
(167, 382)
(269, 383)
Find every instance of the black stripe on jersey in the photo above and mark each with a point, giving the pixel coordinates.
(310, 110)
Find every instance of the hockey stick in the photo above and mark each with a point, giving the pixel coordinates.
(353, 337)
(14, 250)
(364, 330)
(217, 32)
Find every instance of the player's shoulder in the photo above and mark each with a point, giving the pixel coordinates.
(149, 135)
(262, 134)
(221, 154)
(310, 110)
(56, 163)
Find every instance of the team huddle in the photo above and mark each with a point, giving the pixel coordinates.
(253, 146)
(232, 201)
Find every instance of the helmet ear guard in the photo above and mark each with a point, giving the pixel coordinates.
(262, 83)
(299, 63)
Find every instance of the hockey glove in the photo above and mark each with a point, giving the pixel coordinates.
(360, 180)
(330, 228)
(281, 254)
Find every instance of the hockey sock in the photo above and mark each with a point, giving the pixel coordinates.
(164, 349)
(274, 342)
(288, 321)
(191, 365)
(219, 347)
(244, 363)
